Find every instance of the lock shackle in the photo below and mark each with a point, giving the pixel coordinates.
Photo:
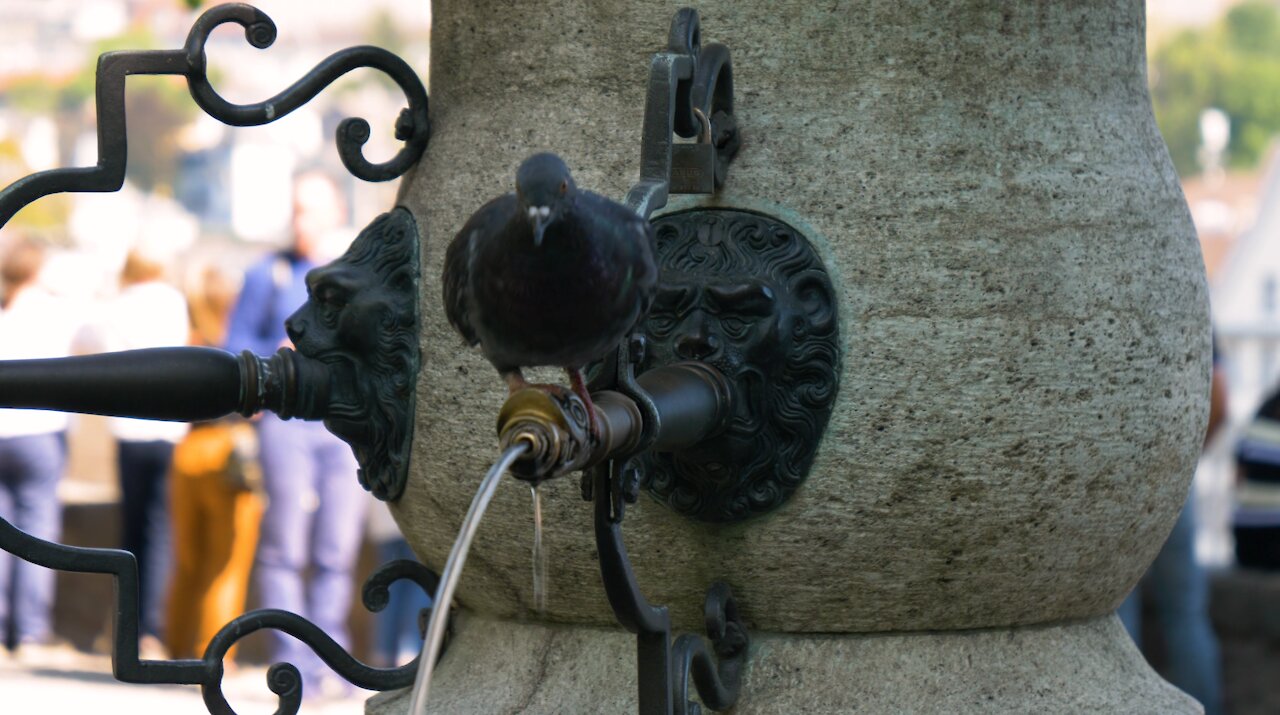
(704, 136)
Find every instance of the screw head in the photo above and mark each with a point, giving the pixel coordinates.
(404, 125)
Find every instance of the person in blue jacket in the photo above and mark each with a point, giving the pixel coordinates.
(314, 519)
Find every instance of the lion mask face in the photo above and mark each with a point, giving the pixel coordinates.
(361, 321)
(748, 295)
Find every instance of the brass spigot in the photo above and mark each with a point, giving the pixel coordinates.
(551, 420)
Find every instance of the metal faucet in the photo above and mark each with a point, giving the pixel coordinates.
(693, 402)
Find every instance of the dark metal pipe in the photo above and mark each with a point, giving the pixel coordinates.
(183, 384)
(693, 402)
(177, 384)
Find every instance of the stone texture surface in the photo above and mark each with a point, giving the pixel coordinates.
(1023, 305)
(1081, 667)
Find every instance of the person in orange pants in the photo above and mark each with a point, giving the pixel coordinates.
(216, 513)
(215, 503)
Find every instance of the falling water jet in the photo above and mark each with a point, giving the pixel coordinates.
(452, 573)
(539, 554)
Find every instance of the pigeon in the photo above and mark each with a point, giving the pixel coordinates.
(549, 275)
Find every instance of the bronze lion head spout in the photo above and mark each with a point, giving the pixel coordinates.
(748, 295)
(357, 349)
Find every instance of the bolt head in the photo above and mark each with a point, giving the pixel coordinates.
(404, 125)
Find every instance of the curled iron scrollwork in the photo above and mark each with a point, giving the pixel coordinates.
(664, 665)
(383, 261)
(412, 127)
(283, 679)
(716, 671)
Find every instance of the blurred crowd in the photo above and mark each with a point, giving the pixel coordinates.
(204, 507)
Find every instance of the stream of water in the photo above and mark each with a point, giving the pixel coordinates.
(452, 572)
(539, 555)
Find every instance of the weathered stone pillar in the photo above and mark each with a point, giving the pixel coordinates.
(1025, 354)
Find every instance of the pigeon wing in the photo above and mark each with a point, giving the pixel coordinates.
(647, 273)
(456, 278)
(483, 225)
(635, 248)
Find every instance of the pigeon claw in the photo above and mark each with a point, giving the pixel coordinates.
(515, 381)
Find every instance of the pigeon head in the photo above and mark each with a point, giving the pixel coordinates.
(543, 188)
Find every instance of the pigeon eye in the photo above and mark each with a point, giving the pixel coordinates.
(564, 187)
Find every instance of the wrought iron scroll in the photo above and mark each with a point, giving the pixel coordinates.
(663, 667)
(282, 678)
(412, 126)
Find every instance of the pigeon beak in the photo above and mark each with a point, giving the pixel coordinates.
(539, 228)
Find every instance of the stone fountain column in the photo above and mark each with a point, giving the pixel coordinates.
(1025, 354)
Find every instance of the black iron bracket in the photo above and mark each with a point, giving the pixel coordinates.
(691, 95)
(283, 679)
(412, 126)
(663, 666)
(740, 291)
(355, 364)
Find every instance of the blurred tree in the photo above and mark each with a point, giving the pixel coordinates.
(1233, 65)
(383, 31)
(47, 217)
(157, 108)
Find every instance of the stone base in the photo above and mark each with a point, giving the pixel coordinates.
(1087, 666)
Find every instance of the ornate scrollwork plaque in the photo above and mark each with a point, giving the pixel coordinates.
(747, 294)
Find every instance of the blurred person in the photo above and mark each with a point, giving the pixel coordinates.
(1256, 522)
(33, 324)
(147, 312)
(214, 500)
(316, 507)
(1178, 590)
(397, 635)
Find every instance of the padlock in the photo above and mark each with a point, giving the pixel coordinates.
(693, 166)
(693, 169)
